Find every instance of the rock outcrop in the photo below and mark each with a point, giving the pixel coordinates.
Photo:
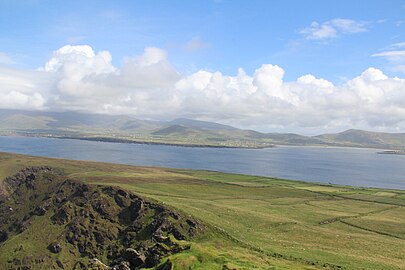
(114, 228)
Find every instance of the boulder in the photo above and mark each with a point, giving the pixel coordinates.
(124, 265)
(134, 257)
(55, 248)
(39, 211)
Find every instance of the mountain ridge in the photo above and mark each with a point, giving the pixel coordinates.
(180, 131)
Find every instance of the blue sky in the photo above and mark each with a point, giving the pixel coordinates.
(234, 33)
(288, 66)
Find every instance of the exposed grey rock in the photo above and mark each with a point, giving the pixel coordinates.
(134, 257)
(55, 248)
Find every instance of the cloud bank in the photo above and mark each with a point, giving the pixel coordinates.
(148, 86)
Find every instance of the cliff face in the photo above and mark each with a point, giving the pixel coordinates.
(80, 226)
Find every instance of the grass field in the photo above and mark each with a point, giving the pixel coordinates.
(260, 222)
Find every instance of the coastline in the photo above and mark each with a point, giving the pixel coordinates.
(392, 152)
(381, 149)
(117, 140)
(129, 141)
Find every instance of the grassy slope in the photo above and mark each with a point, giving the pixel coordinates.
(261, 222)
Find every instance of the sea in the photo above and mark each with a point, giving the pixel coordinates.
(360, 167)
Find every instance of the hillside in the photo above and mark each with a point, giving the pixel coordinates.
(247, 222)
(200, 124)
(49, 222)
(371, 139)
(183, 132)
(294, 139)
(71, 121)
(177, 130)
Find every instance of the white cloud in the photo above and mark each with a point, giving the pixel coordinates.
(347, 26)
(148, 86)
(17, 99)
(319, 31)
(70, 57)
(86, 80)
(311, 80)
(395, 55)
(5, 59)
(150, 70)
(399, 45)
(23, 89)
(333, 28)
(196, 44)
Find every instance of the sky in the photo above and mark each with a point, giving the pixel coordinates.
(277, 66)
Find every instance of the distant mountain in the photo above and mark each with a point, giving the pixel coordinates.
(73, 121)
(24, 121)
(354, 137)
(181, 131)
(348, 138)
(293, 139)
(177, 130)
(200, 124)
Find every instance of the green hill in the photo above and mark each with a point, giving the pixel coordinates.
(49, 222)
(176, 130)
(201, 124)
(371, 139)
(244, 222)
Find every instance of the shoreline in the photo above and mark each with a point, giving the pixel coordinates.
(116, 140)
(392, 152)
(382, 150)
(128, 141)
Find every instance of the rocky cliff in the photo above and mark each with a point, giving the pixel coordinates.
(86, 226)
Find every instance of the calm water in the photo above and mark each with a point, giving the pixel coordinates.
(346, 166)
